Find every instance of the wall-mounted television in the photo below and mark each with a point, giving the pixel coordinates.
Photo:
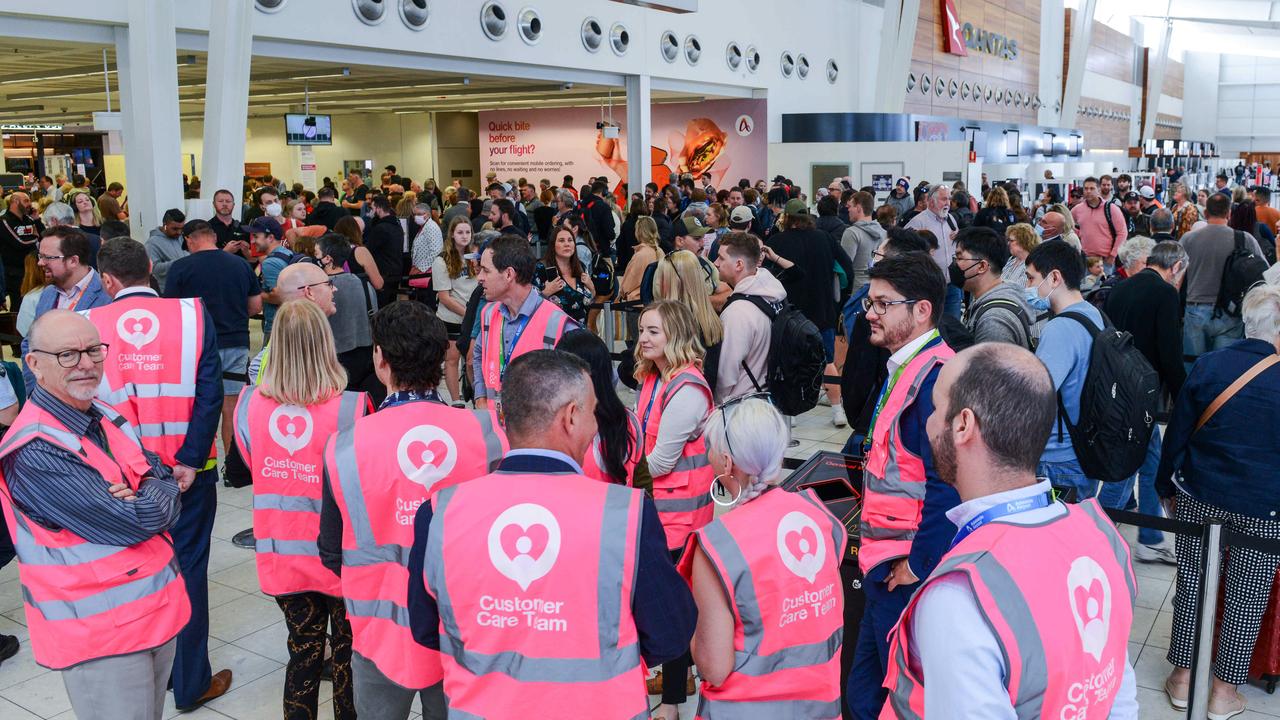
(302, 129)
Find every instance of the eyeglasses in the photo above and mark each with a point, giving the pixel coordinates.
(328, 282)
(880, 307)
(42, 256)
(724, 411)
(71, 358)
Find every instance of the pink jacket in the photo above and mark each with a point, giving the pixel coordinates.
(1095, 234)
(746, 336)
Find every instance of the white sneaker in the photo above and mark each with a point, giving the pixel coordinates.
(823, 399)
(1155, 554)
(838, 418)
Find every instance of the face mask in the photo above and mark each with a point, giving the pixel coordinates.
(1039, 231)
(420, 219)
(1037, 303)
(274, 209)
(956, 275)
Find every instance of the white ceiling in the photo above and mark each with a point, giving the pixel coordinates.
(1240, 27)
(44, 81)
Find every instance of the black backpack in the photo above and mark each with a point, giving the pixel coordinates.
(1016, 308)
(1240, 273)
(1118, 403)
(797, 358)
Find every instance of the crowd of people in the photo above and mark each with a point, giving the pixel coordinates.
(452, 501)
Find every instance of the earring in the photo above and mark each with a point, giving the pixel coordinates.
(715, 494)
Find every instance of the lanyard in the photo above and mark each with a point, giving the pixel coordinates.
(888, 387)
(644, 422)
(520, 325)
(1002, 510)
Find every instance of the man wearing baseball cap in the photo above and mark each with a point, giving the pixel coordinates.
(741, 218)
(267, 238)
(1147, 200)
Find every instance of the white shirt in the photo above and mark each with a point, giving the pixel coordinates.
(904, 353)
(954, 647)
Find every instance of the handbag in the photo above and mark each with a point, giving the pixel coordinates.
(1236, 387)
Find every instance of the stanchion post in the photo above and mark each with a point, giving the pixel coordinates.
(1202, 661)
(608, 324)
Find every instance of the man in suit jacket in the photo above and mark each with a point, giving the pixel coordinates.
(73, 285)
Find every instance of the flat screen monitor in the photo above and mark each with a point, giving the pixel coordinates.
(307, 130)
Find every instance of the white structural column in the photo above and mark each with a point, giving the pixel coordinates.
(1081, 37)
(639, 132)
(1052, 21)
(1158, 61)
(226, 107)
(897, 41)
(146, 60)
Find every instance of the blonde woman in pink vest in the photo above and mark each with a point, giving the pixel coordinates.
(1028, 614)
(282, 425)
(766, 577)
(673, 404)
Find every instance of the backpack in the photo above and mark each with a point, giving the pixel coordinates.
(797, 357)
(1009, 305)
(1240, 273)
(1001, 224)
(1118, 403)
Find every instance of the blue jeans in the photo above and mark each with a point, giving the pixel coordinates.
(863, 690)
(1116, 495)
(829, 344)
(191, 671)
(955, 296)
(1202, 332)
(1068, 475)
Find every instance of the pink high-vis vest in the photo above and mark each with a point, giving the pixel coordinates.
(541, 332)
(149, 375)
(682, 496)
(893, 478)
(1059, 598)
(533, 576)
(778, 558)
(283, 445)
(593, 463)
(85, 601)
(380, 472)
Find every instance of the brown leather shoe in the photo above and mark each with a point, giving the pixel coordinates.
(219, 684)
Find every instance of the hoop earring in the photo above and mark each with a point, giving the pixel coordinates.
(715, 496)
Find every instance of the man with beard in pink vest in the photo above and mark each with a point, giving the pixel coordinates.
(1028, 614)
(547, 592)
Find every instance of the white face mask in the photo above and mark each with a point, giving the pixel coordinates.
(420, 219)
(274, 209)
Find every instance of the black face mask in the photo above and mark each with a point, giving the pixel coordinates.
(956, 275)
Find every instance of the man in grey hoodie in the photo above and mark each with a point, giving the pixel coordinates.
(998, 311)
(747, 329)
(901, 196)
(862, 237)
(164, 245)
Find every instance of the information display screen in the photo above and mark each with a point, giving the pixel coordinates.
(307, 130)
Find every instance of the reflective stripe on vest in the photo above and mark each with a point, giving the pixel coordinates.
(577, 653)
(378, 496)
(681, 496)
(139, 379)
(782, 658)
(769, 710)
(1004, 601)
(541, 331)
(84, 600)
(894, 478)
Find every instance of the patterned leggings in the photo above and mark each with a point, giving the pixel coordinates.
(1248, 578)
(309, 617)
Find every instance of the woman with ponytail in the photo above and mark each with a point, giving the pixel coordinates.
(765, 576)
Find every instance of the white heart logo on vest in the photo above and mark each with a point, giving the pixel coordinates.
(1089, 593)
(524, 542)
(426, 454)
(290, 427)
(138, 327)
(800, 545)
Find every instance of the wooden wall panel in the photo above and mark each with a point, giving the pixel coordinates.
(1174, 74)
(1015, 19)
(1103, 133)
(1111, 53)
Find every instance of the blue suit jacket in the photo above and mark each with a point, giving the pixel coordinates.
(94, 296)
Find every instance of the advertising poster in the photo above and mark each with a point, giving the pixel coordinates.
(718, 141)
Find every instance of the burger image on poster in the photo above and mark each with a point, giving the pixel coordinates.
(700, 146)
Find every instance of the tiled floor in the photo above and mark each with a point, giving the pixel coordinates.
(248, 634)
